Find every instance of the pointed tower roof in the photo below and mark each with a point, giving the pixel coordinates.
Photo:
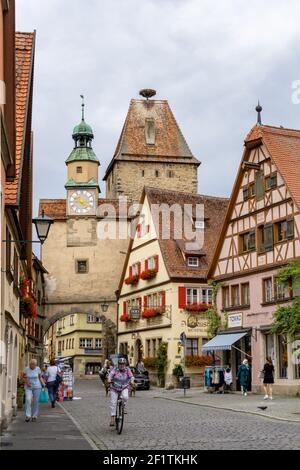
(168, 145)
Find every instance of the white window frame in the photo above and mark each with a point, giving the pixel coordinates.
(86, 343)
(193, 261)
(198, 295)
(97, 342)
(151, 262)
(135, 269)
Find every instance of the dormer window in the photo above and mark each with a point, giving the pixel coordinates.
(150, 131)
(79, 169)
(193, 261)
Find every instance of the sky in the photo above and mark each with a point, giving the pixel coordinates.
(211, 60)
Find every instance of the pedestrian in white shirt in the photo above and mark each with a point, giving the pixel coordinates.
(53, 379)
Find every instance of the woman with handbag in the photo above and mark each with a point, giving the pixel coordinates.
(268, 372)
(33, 384)
(53, 381)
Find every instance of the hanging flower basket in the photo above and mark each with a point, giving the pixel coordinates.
(197, 307)
(28, 306)
(152, 312)
(148, 274)
(132, 280)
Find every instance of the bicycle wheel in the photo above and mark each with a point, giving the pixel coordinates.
(119, 416)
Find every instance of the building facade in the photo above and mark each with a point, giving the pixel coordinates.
(164, 291)
(260, 235)
(16, 186)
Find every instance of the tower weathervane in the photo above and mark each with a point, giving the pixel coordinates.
(258, 109)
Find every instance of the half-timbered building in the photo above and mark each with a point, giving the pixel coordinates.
(260, 234)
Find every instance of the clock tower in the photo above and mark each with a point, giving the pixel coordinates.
(82, 185)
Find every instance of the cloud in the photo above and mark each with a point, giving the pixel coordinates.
(211, 60)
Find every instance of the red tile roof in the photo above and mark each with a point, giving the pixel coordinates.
(24, 43)
(169, 141)
(284, 148)
(56, 208)
(173, 250)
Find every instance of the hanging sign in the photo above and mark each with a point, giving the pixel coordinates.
(135, 313)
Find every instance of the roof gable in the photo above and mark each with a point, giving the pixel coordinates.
(169, 140)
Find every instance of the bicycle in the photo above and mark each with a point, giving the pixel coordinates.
(120, 411)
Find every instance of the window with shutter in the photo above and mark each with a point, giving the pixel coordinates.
(245, 193)
(268, 237)
(259, 185)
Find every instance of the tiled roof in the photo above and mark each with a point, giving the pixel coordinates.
(56, 208)
(172, 249)
(284, 148)
(24, 43)
(169, 141)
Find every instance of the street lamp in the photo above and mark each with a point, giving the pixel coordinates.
(104, 306)
(42, 225)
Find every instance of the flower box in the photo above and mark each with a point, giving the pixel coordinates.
(148, 274)
(197, 307)
(152, 312)
(132, 280)
(198, 361)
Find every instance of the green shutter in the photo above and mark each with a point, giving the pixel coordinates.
(251, 240)
(259, 185)
(268, 237)
(290, 229)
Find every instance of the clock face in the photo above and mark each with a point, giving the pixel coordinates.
(81, 202)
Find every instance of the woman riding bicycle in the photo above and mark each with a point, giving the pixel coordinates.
(119, 379)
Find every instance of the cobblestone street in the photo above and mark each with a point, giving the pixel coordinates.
(154, 422)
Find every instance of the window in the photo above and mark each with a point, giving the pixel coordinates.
(245, 294)
(235, 296)
(67, 344)
(143, 173)
(90, 319)
(248, 191)
(79, 169)
(148, 347)
(71, 320)
(259, 185)
(135, 269)
(271, 181)
(159, 342)
(98, 343)
(82, 266)
(151, 263)
(73, 343)
(268, 289)
(59, 347)
(247, 241)
(193, 261)
(266, 236)
(284, 230)
(282, 357)
(192, 296)
(154, 347)
(192, 347)
(156, 173)
(170, 174)
(225, 296)
(207, 296)
(86, 343)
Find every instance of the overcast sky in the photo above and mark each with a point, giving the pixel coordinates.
(211, 60)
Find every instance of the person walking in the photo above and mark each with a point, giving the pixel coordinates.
(53, 380)
(33, 385)
(244, 376)
(268, 381)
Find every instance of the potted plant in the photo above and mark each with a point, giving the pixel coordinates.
(178, 372)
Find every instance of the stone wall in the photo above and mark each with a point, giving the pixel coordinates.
(126, 178)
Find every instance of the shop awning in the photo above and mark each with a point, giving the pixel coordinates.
(223, 342)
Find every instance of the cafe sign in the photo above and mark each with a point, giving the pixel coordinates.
(135, 313)
(198, 325)
(235, 319)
